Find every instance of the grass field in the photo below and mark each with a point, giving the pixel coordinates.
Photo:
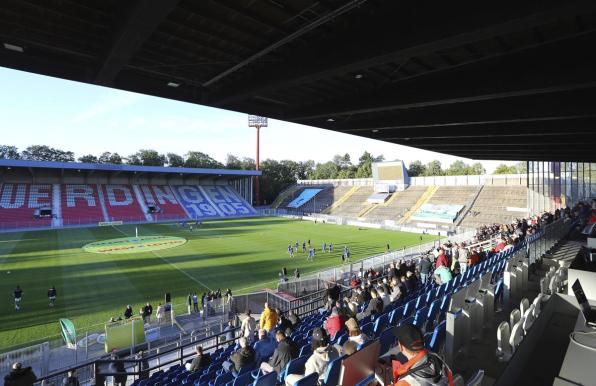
(245, 255)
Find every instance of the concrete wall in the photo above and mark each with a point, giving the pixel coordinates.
(487, 179)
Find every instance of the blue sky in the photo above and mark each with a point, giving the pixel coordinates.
(36, 109)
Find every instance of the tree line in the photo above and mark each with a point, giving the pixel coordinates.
(277, 175)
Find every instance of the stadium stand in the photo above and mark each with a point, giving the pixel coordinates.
(397, 204)
(81, 204)
(18, 204)
(86, 204)
(492, 205)
(164, 202)
(122, 204)
(354, 204)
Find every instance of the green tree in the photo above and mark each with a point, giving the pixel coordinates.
(110, 158)
(196, 159)
(505, 169)
(233, 162)
(522, 167)
(175, 160)
(476, 169)
(147, 157)
(416, 169)
(9, 152)
(46, 153)
(457, 168)
(433, 168)
(324, 171)
(88, 158)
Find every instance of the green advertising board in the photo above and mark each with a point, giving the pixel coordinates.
(124, 333)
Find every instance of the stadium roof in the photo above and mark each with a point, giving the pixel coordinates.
(486, 80)
(130, 169)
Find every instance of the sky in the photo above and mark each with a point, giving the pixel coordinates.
(89, 119)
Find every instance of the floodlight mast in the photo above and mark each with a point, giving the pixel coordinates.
(257, 122)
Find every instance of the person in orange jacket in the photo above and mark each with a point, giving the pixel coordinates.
(268, 318)
(422, 366)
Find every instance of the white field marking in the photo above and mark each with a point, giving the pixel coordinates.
(172, 264)
(19, 240)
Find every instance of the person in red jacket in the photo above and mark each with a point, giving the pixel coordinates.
(334, 323)
(441, 259)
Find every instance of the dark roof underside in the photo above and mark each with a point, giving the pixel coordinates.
(487, 80)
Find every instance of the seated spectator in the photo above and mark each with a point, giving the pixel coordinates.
(248, 327)
(354, 333)
(268, 318)
(201, 361)
(264, 347)
(384, 296)
(443, 275)
(334, 323)
(281, 356)
(395, 290)
(283, 323)
(411, 282)
(118, 367)
(349, 348)
(243, 357)
(474, 258)
(20, 376)
(375, 306)
(323, 353)
(422, 367)
(293, 318)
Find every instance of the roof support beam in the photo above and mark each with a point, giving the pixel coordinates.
(144, 18)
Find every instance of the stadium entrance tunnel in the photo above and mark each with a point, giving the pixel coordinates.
(134, 244)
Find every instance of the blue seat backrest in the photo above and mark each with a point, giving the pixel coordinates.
(333, 371)
(267, 380)
(310, 380)
(386, 339)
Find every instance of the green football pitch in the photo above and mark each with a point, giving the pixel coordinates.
(244, 255)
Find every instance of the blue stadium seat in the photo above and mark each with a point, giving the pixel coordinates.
(310, 380)
(438, 337)
(367, 329)
(295, 366)
(305, 350)
(266, 380)
(332, 372)
(380, 324)
(386, 340)
(420, 302)
(395, 315)
(222, 379)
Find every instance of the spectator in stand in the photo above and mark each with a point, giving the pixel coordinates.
(442, 275)
(195, 302)
(384, 296)
(264, 347)
(20, 376)
(128, 312)
(281, 356)
(293, 318)
(201, 361)
(147, 311)
(118, 367)
(354, 333)
(334, 323)
(411, 282)
(160, 314)
(441, 259)
(283, 323)
(229, 330)
(422, 367)
(349, 348)
(143, 366)
(424, 267)
(463, 254)
(474, 258)
(395, 290)
(375, 306)
(500, 245)
(248, 327)
(71, 379)
(323, 353)
(268, 318)
(243, 357)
